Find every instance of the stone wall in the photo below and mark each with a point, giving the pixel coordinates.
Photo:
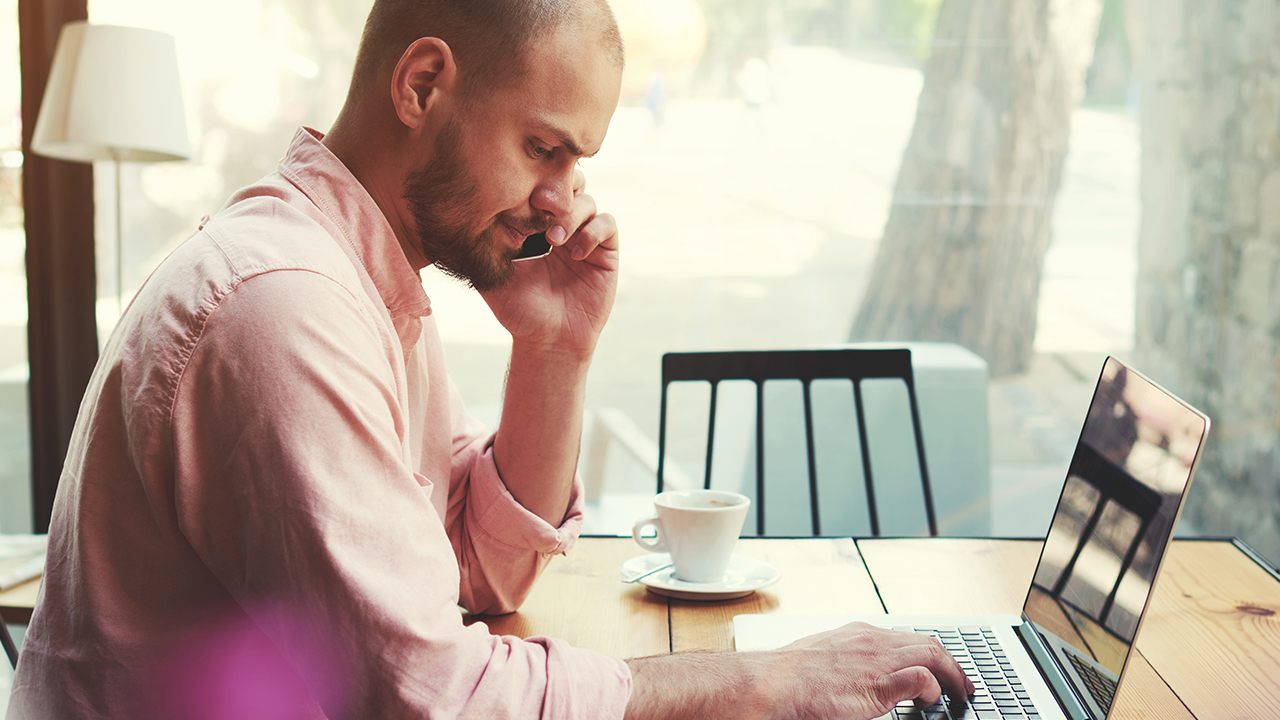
(1208, 303)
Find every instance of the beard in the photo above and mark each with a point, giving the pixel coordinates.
(441, 196)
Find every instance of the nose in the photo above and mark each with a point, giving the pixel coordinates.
(554, 193)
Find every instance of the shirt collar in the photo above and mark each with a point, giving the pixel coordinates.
(322, 177)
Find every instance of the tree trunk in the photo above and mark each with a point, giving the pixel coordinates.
(1208, 300)
(964, 245)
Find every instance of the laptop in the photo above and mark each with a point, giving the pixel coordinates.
(1064, 658)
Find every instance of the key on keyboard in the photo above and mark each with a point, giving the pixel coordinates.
(999, 695)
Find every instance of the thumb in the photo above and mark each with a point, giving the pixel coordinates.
(913, 683)
(557, 234)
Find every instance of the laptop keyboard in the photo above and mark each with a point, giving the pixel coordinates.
(1000, 694)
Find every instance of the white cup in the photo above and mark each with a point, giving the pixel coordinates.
(698, 527)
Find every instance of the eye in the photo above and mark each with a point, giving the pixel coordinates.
(538, 152)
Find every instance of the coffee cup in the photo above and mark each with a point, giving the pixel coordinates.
(698, 527)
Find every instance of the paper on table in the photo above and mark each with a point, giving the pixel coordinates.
(21, 558)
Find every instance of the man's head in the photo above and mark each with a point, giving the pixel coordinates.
(488, 37)
(495, 101)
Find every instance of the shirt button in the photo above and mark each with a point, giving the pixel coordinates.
(203, 221)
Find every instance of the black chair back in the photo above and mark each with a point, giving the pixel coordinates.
(1112, 485)
(806, 366)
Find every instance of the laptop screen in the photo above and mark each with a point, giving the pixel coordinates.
(1114, 519)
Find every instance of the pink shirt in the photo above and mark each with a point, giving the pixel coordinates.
(274, 502)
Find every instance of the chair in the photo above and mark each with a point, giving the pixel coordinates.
(1113, 485)
(806, 366)
(9, 648)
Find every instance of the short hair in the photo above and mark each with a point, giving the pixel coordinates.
(487, 37)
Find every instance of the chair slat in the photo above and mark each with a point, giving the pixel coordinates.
(759, 457)
(866, 458)
(711, 435)
(810, 456)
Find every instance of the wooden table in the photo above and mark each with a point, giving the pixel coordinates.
(16, 602)
(1209, 648)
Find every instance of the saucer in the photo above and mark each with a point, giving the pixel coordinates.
(744, 576)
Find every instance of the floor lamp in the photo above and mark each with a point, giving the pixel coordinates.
(113, 94)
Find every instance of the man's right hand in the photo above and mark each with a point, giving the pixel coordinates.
(856, 672)
(863, 671)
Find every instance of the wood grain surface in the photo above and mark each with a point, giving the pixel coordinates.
(820, 576)
(1214, 631)
(951, 575)
(17, 602)
(581, 598)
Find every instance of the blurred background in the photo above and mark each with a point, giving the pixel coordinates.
(1040, 183)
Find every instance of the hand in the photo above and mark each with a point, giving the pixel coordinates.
(862, 671)
(563, 299)
(856, 672)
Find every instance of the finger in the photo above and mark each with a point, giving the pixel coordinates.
(913, 683)
(600, 231)
(930, 655)
(584, 208)
(579, 181)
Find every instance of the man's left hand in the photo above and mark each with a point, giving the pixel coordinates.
(562, 299)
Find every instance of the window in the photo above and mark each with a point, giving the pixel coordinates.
(15, 445)
(757, 159)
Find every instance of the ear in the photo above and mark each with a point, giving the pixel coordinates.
(425, 70)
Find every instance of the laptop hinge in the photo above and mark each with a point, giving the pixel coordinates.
(1057, 681)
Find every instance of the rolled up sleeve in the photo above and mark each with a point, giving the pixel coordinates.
(502, 547)
(501, 519)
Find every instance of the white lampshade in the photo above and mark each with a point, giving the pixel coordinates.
(113, 94)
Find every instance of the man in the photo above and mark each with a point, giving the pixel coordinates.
(274, 503)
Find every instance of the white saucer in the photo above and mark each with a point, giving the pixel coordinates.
(744, 576)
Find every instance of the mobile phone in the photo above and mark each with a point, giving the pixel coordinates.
(534, 246)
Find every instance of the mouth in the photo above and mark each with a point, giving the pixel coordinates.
(515, 235)
(519, 230)
(537, 222)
